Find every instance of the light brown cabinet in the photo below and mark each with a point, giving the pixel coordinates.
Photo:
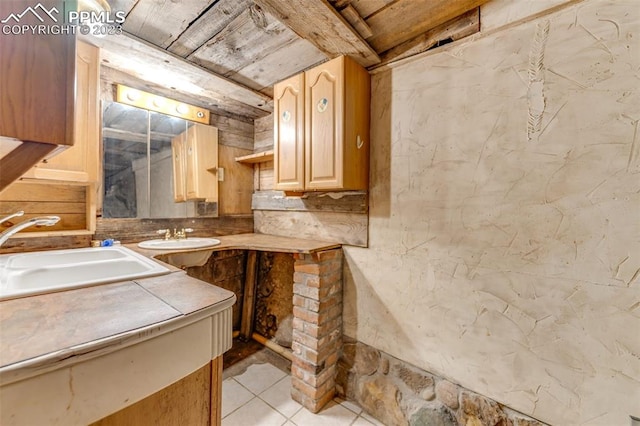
(288, 112)
(37, 84)
(79, 163)
(329, 148)
(195, 164)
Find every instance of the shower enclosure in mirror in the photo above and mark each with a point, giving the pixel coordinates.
(142, 161)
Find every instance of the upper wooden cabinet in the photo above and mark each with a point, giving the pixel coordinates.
(335, 104)
(195, 164)
(37, 81)
(80, 162)
(288, 129)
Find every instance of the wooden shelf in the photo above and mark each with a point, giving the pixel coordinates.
(259, 157)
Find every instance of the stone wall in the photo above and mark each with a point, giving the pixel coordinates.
(397, 393)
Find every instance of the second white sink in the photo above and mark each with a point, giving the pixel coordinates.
(187, 243)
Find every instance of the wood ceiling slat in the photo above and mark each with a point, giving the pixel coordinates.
(460, 27)
(161, 22)
(406, 19)
(367, 8)
(149, 63)
(356, 21)
(319, 23)
(279, 64)
(242, 42)
(122, 5)
(208, 25)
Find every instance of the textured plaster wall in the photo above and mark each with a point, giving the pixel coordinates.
(504, 246)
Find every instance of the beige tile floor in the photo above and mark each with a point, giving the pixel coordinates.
(258, 393)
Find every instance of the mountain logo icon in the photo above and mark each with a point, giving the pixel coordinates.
(43, 12)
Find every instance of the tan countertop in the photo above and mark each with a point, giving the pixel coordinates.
(259, 242)
(39, 331)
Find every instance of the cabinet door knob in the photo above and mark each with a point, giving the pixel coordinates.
(359, 142)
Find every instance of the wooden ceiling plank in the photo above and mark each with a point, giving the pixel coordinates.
(122, 5)
(247, 39)
(160, 67)
(280, 64)
(356, 21)
(209, 24)
(161, 22)
(406, 19)
(463, 26)
(367, 8)
(319, 23)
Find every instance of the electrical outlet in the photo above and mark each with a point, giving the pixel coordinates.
(220, 174)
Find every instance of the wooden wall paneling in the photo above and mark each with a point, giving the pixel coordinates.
(256, 177)
(263, 133)
(233, 132)
(237, 187)
(462, 26)
(134, 230)
(319, 23)
(344, 228)
(266, 176)
(20, 245)
(70, 201)
(405, 19)
(338, 202)
(214, 20)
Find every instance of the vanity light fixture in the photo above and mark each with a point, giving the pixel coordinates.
(145, 100)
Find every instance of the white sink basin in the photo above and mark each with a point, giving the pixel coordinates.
(26, 274)
(188, 243)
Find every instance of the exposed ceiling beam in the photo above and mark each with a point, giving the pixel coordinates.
(150, 63)
(320, 24)
(412, 13)
(457, 28)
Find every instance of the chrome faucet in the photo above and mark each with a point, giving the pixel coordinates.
(36, 221)
(11, 216)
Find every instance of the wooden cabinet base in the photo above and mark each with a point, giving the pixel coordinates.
(193, 400)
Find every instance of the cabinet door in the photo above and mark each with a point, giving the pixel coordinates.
(202, 163)
(80, 162)
(324, 112)
(288, 130)
(179, 184)
(37, 81)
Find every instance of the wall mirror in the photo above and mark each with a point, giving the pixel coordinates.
(141, 164)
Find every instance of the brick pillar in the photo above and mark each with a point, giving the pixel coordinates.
(317, 327)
